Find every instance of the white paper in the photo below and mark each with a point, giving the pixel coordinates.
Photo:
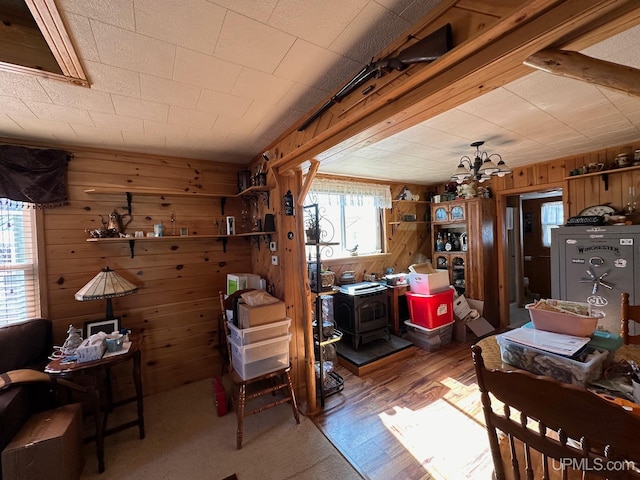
(552, 342)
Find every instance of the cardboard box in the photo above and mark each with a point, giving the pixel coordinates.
(467, 331)
(253, 316)
(49, 445)
(429, 283)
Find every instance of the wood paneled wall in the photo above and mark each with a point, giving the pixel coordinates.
(177, 305)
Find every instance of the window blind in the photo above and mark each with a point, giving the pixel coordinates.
(19, 291)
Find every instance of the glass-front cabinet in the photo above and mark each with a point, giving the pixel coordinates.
(462, 235)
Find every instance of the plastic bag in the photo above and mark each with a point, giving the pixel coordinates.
(255, 298)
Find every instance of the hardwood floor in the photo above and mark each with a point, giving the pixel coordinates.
(418, 418)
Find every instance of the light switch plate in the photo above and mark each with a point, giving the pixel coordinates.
(273, 246)
(274, 260)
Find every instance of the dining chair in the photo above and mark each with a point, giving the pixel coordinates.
(554, 430)
(627, 313)
(245, 390)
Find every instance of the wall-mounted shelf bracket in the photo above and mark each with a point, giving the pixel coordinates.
(132, 244)
(605, 179)
(223, 202)
(224, 243)
(129, 205)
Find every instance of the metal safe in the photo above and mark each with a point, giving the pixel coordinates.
(595, 264)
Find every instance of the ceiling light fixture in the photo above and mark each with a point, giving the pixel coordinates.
(481, 168)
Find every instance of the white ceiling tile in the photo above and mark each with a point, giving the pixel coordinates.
(59, 113)
(133, 107)
(10, 127)
(301, 98)
(99, 136)
(14, 106)
(191, 118)
(111, 121)
(142, 141)
(202, 70)
(261, 86)
(107, 78)
(114, 12)
(55, 130)
(315, 22)
(354, 43)
(22, 86)
(161, 129)
(132, 51)
(308, 63)
(223, 104)
(168, 91)
(247, 42)
(193, 24)
(67, 94)
(259, 10)
(79, 30)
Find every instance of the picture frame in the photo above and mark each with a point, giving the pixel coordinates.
(107, 326)
(184, 232)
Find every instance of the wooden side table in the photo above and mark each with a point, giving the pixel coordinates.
(57, 368)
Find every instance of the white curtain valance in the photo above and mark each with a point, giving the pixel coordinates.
(352, 193)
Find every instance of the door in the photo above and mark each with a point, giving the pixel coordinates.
(537, 251)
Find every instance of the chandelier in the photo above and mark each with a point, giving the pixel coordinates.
(481, 168)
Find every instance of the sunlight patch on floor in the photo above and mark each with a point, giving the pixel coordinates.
(446, 441)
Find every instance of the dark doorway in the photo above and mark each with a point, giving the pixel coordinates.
(529, 258)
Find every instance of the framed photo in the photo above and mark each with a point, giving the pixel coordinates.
(106, 326)
(184, 232)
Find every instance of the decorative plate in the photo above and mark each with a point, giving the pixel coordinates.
(601, 210)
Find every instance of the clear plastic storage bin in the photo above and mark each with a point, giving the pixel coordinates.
(258, 358)
(429, 339)
(581, 371)
(247, 336)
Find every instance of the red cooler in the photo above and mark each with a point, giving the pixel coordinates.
(431, 311)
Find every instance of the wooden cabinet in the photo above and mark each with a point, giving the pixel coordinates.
(463, 242)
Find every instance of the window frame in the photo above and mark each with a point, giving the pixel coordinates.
(313, 197)
(41, 306)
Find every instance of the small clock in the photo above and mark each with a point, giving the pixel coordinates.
(597, 210)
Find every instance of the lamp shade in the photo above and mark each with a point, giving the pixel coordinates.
(106, 284)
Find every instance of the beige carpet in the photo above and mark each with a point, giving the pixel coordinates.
(185, 439)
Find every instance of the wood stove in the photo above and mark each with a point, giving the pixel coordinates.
(361, 311)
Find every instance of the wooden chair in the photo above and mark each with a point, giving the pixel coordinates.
(628, 312)
(558, 430)
(244, 390)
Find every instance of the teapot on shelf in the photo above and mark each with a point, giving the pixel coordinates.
(116, 223)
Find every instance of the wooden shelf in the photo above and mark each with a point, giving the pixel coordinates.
(418, 222)
(132, 240)
(174, 237)
(603, 172)
(154, 191)
(251, 191)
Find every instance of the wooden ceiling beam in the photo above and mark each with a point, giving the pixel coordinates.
(487, 61)
(620, 78)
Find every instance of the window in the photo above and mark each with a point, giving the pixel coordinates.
(351, 216)
(18, 263)
(552, 216)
